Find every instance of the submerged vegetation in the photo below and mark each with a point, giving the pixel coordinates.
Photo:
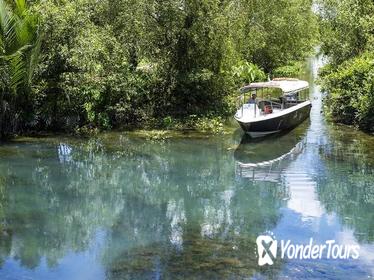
(347, 40)
(112, 64)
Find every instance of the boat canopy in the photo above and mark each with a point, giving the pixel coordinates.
(287, 85)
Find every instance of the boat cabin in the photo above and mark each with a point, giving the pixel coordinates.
(273, 96)
(270, 107)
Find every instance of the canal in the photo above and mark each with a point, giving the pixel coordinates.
(121, 206)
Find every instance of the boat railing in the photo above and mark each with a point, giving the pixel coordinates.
(276, 105)
(255, 109)
(239, 105)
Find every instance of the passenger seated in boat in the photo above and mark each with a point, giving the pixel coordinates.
(253, 99)
(268, 109)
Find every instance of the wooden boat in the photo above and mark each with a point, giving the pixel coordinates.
(283, 105)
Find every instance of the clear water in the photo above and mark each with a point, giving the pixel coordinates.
(190, 207)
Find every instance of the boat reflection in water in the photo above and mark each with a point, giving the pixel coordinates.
(266, 160)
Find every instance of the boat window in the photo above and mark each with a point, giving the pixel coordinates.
(293, 97)
(270, 93)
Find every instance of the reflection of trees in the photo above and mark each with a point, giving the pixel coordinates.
(201, 220)
(348, 189)
(5, 239)
(178, 196)
(54, 206)
(208, 238)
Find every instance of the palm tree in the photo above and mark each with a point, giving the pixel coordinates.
(19, 50)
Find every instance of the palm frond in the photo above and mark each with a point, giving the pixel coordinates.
(20, 7)
(19, 43)
(22, 31)
(4, 15)
(8, 28)
(34, 58)
(17, 67)
(1, 45)
(3, 76)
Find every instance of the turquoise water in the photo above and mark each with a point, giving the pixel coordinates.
(121, 206)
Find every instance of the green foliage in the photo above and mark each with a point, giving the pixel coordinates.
(85, 77)
(294, 69)
(214, 125)
(18, 38)
(347, 28)
(19, 50)
(198, 56)
(347, 39)
(277, 32)
(350, 87)
(246, 73)
(119, 63)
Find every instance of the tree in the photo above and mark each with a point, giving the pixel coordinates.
(347, 28)
(121, 63)
(19, 50)
(277, 32)
(347, 40)
(350, 87)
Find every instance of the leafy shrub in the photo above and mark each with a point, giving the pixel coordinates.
(246, 73)
(108, 64)
(294, 69)
(85, 76)
(350, 91)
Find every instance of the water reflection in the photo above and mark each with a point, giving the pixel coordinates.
(181, 202)
(185, 208)
(255, 162)
(123, 207)
(350, 164)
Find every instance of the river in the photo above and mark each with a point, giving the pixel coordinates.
(120, 206)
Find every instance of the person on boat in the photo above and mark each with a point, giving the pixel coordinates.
(253, 99)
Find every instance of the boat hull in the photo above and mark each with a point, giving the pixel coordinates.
(271, 125)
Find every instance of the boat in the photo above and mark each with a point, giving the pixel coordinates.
(274, 106)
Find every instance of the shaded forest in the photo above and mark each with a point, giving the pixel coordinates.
(68, 65)
(80, 65)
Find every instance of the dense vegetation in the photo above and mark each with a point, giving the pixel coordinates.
(119, 63)
(347, 40)
(19, 51)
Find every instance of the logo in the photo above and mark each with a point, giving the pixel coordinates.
(267, 248)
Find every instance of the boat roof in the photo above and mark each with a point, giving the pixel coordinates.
(287, 85)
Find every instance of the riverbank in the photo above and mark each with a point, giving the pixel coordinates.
(175, 128)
